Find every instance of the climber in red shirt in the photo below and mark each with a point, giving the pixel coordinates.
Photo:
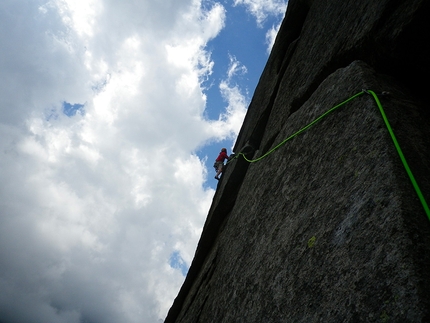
(219, 162)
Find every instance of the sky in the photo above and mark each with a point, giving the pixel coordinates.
(111, 116)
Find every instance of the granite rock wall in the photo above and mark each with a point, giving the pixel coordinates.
(328, 228)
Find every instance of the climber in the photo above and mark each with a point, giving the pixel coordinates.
(219, 162)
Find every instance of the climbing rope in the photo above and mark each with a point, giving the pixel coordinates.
(298, 132)
(387, 124)
(402, 157)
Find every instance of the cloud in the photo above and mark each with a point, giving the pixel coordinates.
(235, 68)
(101, 109)
(271, 36)
(229, 122)
(261, 9)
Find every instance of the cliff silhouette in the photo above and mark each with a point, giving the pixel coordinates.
(329, 226)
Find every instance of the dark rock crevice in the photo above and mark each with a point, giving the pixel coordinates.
(268, 86)
(259, 129)
(291, 29)
(407, 57)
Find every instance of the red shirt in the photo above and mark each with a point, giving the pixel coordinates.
(222, 156)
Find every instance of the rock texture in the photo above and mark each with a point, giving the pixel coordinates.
(328, 228)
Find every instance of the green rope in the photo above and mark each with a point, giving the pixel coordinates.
(298, 132)
(393, 137)
(402, 157)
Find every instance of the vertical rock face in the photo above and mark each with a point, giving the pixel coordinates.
(328, 228)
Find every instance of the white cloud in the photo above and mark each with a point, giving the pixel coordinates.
(235, 68)
(261, 9)
(229, 123)
(271, 36)
(79, 15)
(93, 205)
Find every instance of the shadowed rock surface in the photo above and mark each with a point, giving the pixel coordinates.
(328, 228)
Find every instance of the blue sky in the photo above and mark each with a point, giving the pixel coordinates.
(111, 115)
(243, 40)
(70, 109)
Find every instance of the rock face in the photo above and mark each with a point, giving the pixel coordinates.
(328, 228)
